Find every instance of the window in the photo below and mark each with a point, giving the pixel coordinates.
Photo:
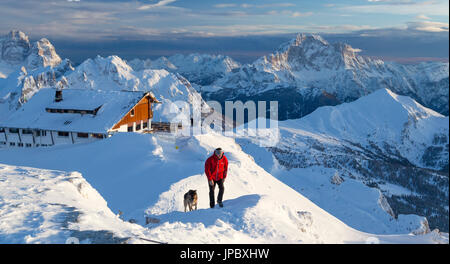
(27, 132)
(20, 144)
(144, 125)
(63, 134)
(41, 133)
(138, 127)
(97, 135)
(132, 112)
(14, 130)
(130, 129)
(12, 144)
(28, 145)
(73, 111)
(2, 130)
(2, 143)
(82, 135)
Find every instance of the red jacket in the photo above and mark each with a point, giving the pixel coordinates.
(215, 168)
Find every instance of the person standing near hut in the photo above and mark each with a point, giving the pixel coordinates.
(216, 168)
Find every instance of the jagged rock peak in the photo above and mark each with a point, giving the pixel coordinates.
(17, 35)
(15, 47)
(303, 39)
(43, 54)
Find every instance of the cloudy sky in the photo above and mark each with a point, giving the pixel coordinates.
(244, 29)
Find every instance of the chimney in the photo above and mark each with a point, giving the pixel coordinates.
(58, 95)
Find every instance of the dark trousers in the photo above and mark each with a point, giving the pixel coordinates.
(211, 192)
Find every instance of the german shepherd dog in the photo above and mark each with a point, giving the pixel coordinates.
(190, 200)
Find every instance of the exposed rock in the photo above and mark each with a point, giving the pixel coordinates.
(15, 47)
(385, 205)
(336, 179)
(423, 229)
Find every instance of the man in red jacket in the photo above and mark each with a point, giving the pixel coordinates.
(216, 168)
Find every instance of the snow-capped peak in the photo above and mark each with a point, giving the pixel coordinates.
(17, 51)
(15, 47)
(385, 119)
(312, 52)
(302, 39)
(43, 54)
(104, 73)
(380, 109)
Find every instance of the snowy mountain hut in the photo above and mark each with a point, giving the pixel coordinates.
(70, 116)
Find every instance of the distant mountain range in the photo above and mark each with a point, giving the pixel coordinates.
(308, 72)
(304, 73)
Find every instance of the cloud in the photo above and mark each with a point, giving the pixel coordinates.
(159, 4)
(289, 13)
(298, 14)
(98, 20)
(396, 2)
(268, 29)
(407, 8)
(428, 26)
(266, 5)
(423, 17)
(224, 5)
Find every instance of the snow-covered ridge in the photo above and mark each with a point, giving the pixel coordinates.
(45, 206)
(382, 117)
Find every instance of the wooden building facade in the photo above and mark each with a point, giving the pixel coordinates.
(138, 118)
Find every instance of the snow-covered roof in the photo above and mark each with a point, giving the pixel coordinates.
(35, 113)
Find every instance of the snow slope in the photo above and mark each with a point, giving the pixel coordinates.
(44, 206)
(149, 174)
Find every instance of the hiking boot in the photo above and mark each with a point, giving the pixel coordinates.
(220, 204)
(211, 205)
